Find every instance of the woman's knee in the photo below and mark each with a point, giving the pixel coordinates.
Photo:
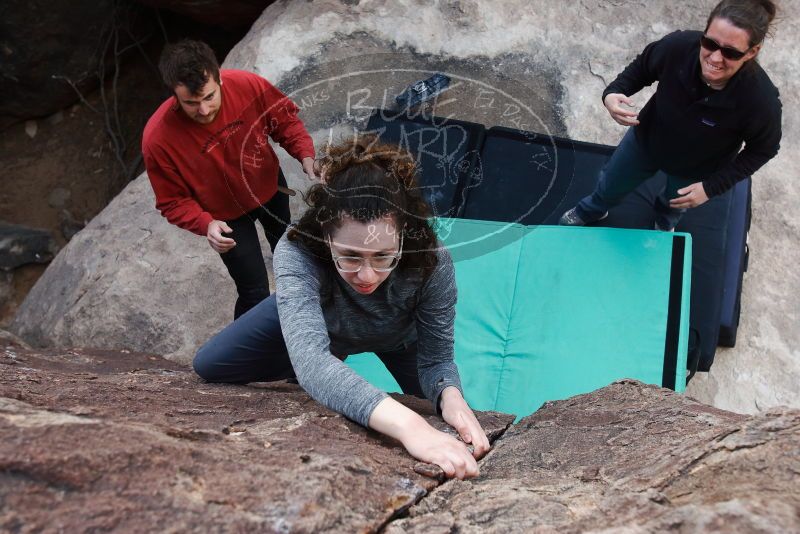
(238, 353)
(206, 363)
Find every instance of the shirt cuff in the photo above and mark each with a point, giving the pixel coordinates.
(712, 188)
(440, 387)
(364, 414)
(204, 219)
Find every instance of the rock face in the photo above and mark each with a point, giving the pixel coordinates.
(163, 295)
(528, 65)
(103, 440)
(629, 458)
(131, 442)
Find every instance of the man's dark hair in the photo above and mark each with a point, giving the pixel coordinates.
(188, 63)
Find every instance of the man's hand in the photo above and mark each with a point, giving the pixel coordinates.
(310, 168)
(625, 117)
(219, 242)
(458, 414)
(691, 197)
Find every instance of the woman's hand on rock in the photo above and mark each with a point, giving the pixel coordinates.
(457, 413)
(421, 440)
(435, 447)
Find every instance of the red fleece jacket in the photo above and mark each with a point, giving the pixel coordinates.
(222, 170)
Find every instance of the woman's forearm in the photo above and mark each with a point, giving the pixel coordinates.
(421, 440)
(395, 420)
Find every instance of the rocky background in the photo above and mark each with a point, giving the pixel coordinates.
(79, 81)
(119, 441)
(131, 281)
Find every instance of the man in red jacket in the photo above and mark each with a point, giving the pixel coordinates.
(211, 166)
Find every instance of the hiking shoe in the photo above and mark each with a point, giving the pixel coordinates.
(658, 227)
(571, 218)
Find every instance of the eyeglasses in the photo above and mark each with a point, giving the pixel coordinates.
(727, 52)
(382, 263)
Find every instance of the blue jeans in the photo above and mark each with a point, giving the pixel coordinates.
(252, 349)
(628, 167)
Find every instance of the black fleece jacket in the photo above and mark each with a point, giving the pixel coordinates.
(696, 132)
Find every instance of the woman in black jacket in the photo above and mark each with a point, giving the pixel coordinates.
(712, 96)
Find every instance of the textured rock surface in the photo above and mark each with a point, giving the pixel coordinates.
(629, 458)
(532, 65)
(164, 295)
(7, 339)
(100, 441)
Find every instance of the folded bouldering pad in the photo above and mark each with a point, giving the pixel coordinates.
(736, 258)
(719, 234)
(547, 312)
(532, 178)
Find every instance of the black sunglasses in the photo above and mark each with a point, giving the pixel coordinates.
(727, 52)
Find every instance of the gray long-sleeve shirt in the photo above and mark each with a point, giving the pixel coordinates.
(321, 315)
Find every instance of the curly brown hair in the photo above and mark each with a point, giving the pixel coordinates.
(366, 180)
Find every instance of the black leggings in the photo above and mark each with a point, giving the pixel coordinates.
(245, 261)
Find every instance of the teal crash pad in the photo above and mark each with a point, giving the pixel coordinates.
(547, 312)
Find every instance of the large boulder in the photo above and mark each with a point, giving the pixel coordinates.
(160, 290)
(111, 441)
(535, 66)
(103, 440)
(627, 458)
